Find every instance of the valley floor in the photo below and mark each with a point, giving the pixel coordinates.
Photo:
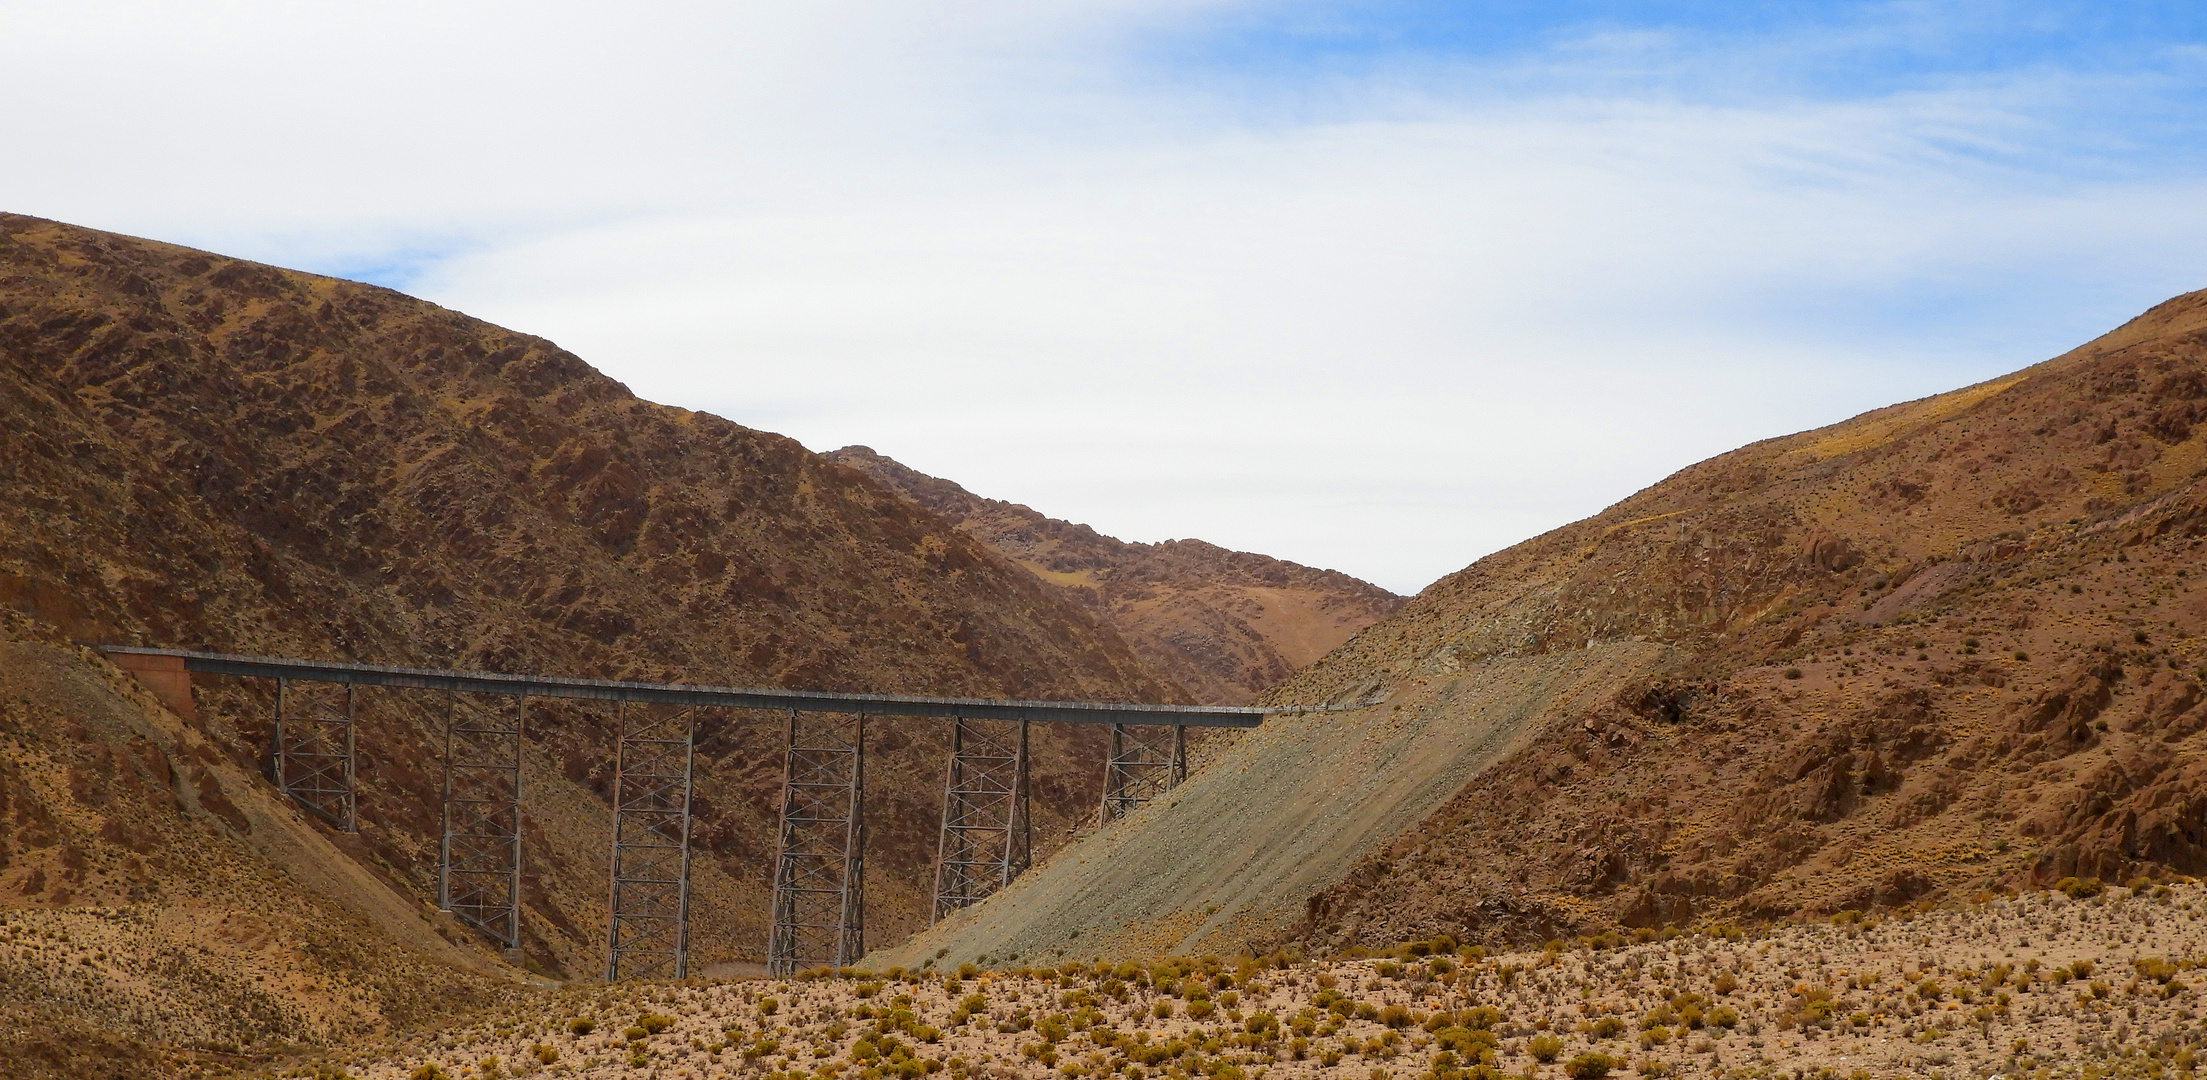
(2043, 984)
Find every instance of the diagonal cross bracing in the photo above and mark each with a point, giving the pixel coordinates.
(1146, 761)
(312, 756)
(819, 897)
(985, 841)
(479, 858)
(647, 931)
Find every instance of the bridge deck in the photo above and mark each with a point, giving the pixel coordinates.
(483, 682)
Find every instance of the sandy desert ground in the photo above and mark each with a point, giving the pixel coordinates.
(2042, 984)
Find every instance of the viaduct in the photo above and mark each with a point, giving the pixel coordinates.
(818, 915)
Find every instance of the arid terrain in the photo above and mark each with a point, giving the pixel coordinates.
(166, 911)
(207, 453)
(2037, 984)
(1224, 625)
(1811, 757)
(203, 452)
(1941, 647)
(1950, 645)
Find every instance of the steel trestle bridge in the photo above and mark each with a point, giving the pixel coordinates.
(818, 912)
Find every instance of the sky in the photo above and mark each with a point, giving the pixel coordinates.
(1379, 287)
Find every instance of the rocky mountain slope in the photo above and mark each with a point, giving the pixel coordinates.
(1226, 625)
(204, 452)
(166, 914)
(1942, 646)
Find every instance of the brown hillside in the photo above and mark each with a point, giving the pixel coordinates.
(1947, 645)
(165, 913)
(204, 452)
(1224, 624)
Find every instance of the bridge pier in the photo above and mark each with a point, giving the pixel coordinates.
(986, 839)
(648, 920)
(312, 757)
(819, 863)
(479, 853)
(1146, 761)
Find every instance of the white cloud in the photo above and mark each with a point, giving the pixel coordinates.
(1388, 340)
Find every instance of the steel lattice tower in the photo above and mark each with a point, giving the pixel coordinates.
(819, 864)
(1145, 762)
(985, 840)
(312, 758)
(647, 930)
(479, 860)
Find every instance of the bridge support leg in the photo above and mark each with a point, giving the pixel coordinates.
(479, 858)
(647, 928)
(985, 841)
(312, 759)
(819, 898)
(1145, 762)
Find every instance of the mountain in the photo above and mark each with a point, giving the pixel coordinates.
(1224, 624)
(199, 451)
(1944, 647)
